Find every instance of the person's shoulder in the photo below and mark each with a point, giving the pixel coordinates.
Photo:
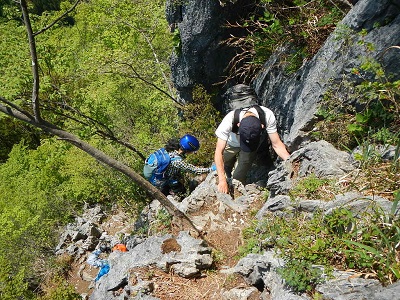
(268, 112)
(226, 123)
(230, 114)
(265, 108)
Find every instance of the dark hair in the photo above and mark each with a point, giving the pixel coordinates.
(172, 145)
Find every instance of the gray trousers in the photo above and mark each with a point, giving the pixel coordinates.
(244, 162)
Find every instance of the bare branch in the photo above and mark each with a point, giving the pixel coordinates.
(100, 156)
(142, 32)
(112, 137)
(346, 2)
(138, 76)
(106, 133)
(58, 19)
(35, 69)
(15, 107)
(387, 49)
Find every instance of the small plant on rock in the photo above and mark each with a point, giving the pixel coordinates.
(312, 187)
(301, 276)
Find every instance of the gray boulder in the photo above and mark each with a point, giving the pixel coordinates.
(183, 255)
(261, 271)
(319, 158)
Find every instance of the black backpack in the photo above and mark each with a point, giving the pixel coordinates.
(261, 115)
(238, 98)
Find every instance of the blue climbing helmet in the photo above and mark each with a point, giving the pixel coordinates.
(189, 143)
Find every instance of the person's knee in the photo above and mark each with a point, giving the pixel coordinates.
(241, 171)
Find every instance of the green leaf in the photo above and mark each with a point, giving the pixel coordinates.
(362, 246)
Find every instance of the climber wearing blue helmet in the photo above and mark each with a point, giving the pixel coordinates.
(189, 143)
(171, 182)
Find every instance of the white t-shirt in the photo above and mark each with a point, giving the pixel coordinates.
(224, 130)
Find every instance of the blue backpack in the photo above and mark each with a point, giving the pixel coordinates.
(155, 166)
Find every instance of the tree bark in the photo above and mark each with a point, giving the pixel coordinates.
(35, 68)
(151, 191)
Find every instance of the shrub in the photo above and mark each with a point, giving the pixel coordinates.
(200, 118)
(304, 25)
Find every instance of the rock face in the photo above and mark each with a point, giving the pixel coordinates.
(182, 255)
(295, 99)
(200, 58)
(319, 158)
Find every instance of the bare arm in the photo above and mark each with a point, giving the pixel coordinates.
(278, 146)
(219, 162)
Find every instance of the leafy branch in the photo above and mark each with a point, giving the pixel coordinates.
(58, 19)
(36, 120)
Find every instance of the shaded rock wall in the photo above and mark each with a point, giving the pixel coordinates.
(201, 58)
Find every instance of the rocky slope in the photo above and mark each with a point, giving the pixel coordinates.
(181, 264)
(178, 263)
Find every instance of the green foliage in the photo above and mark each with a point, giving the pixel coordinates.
(252, 243)
(310, 187)
(295, 60)
(40, 190)
(304, 25)
(366, 242)
(104, 66)
(13, 285)
(333, 127)
(373, 248)
(40, 6)
(176, 38)
(364, 115)
(90, 182)
(218, 256)
(14, 64)
(368, 156)
(375, 119)
(377, 176)
(31, 206)
(200, 118)
(61, 290)
(112, 56)
(160, 225)
(339, 222)
(164, 218)
(301, 276)
(262, 46)
(12, 132)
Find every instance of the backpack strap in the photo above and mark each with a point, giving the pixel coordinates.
(235, 127)
(261, 116)
(175, 158)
